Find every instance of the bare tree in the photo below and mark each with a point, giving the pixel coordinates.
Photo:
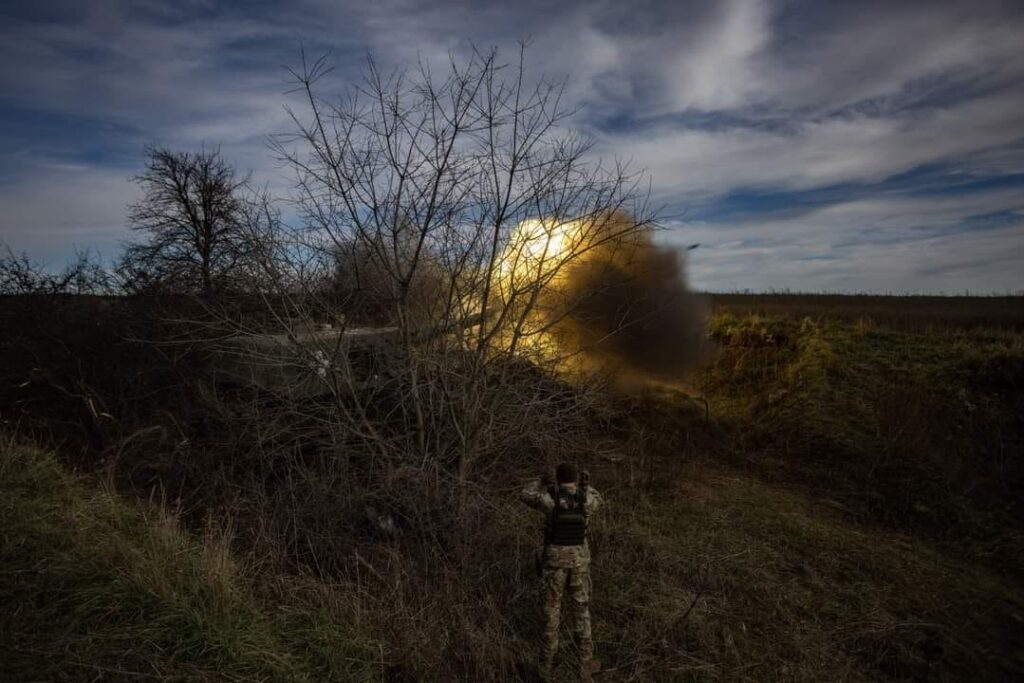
(465, 201)
(191, 215)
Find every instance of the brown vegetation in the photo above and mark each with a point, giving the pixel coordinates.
(911, 313)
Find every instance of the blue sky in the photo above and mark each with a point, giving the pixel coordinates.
(859, 146)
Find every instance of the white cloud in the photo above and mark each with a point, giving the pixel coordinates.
(718, 68)
(855, 148)
(882, 244)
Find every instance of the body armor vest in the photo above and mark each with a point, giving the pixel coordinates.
(567, 524)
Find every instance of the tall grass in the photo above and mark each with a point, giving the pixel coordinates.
(95, 588)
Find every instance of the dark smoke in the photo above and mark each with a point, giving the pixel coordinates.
(626, 306)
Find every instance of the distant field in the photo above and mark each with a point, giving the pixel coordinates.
(917, 313)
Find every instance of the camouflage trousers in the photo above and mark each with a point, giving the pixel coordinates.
(556, 582)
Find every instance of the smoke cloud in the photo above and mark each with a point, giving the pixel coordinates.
(625, 306)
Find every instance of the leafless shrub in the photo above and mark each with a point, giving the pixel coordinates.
(364, 289)
(85, 274)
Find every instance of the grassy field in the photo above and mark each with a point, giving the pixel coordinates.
(834, 496)
(916, 313)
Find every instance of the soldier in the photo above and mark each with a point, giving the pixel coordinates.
(565, 563)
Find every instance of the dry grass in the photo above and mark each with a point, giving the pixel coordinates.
(729, 578)
(98, 588)
(908, 313)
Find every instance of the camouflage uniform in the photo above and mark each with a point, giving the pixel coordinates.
(564, 567)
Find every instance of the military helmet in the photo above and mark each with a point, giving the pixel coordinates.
(566, 473)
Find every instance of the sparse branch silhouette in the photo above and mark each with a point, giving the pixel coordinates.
(84, 274)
